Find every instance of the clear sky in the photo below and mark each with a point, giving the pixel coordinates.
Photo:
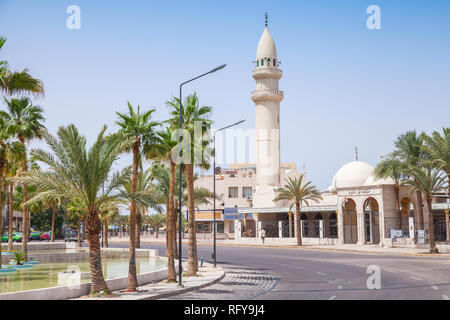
(344, 84)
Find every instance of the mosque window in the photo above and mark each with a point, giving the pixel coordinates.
(274, 62)
(262, 62)
(257, 63)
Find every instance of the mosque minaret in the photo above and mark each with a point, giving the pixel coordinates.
(267, 98)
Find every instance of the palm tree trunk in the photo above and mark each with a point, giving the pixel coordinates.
(132, 277)
(138, 229)
(1, 223)
(25, 213)
(53, 222)
(191, 270)
(106, 234)
(79, 232)
(174, 233)
(11, 216)
(94, 227)
(299, 231)
(421, 225)
(290, 224)
(431, 236)
(171, 275)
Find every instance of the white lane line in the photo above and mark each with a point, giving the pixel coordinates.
(435, 288)
(321, 273)
(334, 297)
(416, 278)
(445, 297)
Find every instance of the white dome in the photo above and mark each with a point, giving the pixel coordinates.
(266, 46)
(353, 174)
(371, 181)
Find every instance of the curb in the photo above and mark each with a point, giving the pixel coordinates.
(184, 290)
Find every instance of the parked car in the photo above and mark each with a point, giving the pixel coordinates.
(46, 235)
(16, 236)
(35, 235)
(71, 236)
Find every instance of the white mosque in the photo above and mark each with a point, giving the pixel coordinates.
(356, 208)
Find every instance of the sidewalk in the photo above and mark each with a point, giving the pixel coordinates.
(207, 275)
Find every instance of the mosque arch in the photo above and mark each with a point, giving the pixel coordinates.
(350, 221)
(372, 220)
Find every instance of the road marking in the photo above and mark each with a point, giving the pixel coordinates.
(445, 297)
(416, 278)
(435, 288)
(340, 287)
(334, 297)
(321, 273)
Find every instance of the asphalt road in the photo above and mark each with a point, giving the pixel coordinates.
(300, 274)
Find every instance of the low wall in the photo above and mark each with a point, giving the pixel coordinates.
(82, 255)
(37, 246)
(75, 291)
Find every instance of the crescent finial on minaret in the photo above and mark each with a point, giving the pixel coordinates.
(267, 19)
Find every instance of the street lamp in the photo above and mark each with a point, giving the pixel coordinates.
(180, 139)
(214, 186)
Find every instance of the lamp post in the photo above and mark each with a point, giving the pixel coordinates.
(214, 187)
(180, 139)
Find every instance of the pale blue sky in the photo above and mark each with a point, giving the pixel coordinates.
(344, 85)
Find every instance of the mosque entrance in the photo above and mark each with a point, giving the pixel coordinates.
(372, 221)
(350, 222)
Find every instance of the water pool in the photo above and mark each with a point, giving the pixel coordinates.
(45, 275)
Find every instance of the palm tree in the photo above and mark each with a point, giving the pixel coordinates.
(428, 180)
(24, 120)
(438, 147)
(409, 150)
(394, 169)
(10, 152)
(17, 82)
(138, 132)
(195, 120)
(81, 175)
(155, 221)
(297, 193)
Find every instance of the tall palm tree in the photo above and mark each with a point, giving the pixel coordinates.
(428, 180)
(81, 175)
(394, 169)
(139, 133)
(195, 121)
(409, 150)
(18, 82)
(297, 192)
(24, 120)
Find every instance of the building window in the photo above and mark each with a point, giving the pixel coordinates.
(233, 192)
(274, 62)
(257, 63)
(247, 192)
(262, 62)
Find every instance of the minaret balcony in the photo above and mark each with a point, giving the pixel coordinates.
(267, 72)
(263, 95)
